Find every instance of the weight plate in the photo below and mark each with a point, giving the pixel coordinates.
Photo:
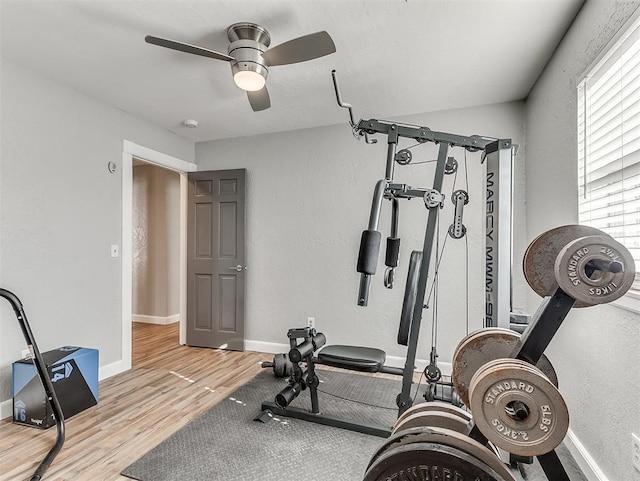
(582, 269)
(482, 346)
(517, 408)
(429, 461)
(280, 365)
(434, 406)
(432, 418)
(445, 437)
(540, 257)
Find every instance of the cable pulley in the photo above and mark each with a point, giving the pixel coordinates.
(460, 198)
(432, 198)
(451, 167)
(403, 157)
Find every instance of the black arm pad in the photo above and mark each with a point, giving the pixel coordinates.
(368, 255)
(393, 249)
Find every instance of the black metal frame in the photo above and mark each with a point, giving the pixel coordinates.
(43, 374)
(385, 188)
(327, 420)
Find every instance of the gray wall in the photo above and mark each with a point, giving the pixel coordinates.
(61, 211)
(596, 351)
(156, 242)
(309, 197)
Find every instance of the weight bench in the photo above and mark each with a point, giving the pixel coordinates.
(345, 357)
(354, 358)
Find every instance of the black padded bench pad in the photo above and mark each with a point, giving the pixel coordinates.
(356, 358)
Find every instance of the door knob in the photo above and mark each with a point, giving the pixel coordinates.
(237, 268)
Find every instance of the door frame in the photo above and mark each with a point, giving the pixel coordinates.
(129, 151)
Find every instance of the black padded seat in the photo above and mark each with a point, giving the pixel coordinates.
(356, 358)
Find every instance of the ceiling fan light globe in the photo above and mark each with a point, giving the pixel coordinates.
(249, 80)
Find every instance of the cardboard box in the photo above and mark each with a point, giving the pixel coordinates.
(74, 374)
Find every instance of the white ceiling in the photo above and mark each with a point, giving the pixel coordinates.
(394, 57)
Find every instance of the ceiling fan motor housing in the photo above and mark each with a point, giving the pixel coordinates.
(248, 42)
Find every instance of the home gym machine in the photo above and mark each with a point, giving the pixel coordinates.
(41, 369)
(498, 156)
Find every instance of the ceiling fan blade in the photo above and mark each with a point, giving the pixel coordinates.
(185, 47)
(300, 49)
(259, 99)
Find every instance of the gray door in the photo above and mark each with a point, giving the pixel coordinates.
(216, 259)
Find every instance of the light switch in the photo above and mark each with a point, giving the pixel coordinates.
(115, 250)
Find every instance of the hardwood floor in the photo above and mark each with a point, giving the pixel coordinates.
(168, 386)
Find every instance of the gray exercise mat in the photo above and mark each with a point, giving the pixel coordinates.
(226, 443)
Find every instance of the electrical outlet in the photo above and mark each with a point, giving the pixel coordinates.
(311, 322)
(636, 451)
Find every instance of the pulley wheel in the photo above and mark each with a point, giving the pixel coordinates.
(595, 269)
(403, 157)
(539, 259)
(482, 346)
(441, 437)
(517, 408)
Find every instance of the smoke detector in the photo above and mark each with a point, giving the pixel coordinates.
(190, 123)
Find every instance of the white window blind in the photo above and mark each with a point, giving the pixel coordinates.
(609, 144)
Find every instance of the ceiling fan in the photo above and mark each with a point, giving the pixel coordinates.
(250, 58)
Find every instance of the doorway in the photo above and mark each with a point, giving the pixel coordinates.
(155, 258)
(181, 168)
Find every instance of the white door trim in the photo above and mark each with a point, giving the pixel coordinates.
(129, 151)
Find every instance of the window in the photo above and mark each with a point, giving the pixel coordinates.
(609, 144)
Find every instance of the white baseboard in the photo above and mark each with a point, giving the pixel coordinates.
(269, 347)
(6, 409)
(111, 370)
(155, 319)
(585, 462)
